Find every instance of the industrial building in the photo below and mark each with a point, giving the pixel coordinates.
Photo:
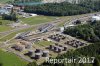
(75, 43)
(37, 54)
(4, 11)
(57, 48)
(57, 37)
(95, 17)
(45, 28)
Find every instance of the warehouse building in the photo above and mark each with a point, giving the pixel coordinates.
(96, 17)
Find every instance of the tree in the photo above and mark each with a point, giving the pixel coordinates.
(77, 22)
(57, 9)
(12, 16)
(88, 32)
(0, 23)
(12, 11)
(96, 62)
(1, 64)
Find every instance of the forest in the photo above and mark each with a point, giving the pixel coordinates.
(89, 32)
(64, 8)
(57, 9)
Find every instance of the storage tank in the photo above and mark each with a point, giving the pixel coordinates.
(56, 48)
(30, 52)
(51, 47)
(38, 51)
(45, 53)
(59, 49)
(65, 48)
(37, 55)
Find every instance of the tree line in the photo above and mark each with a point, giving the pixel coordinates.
(64, 8)
(57, 9)
(89, 32)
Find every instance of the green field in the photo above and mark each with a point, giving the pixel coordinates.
(9, 59)
(30, 21)
(14, 33)
(4, 28)
(37, 20)
(44, 43)
(5, 22)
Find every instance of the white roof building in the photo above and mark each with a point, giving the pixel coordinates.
(33, 14)
(97, 18)
(3, 11)
(61, 29)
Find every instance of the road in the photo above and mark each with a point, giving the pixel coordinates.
(4, 34)
(82, 18)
